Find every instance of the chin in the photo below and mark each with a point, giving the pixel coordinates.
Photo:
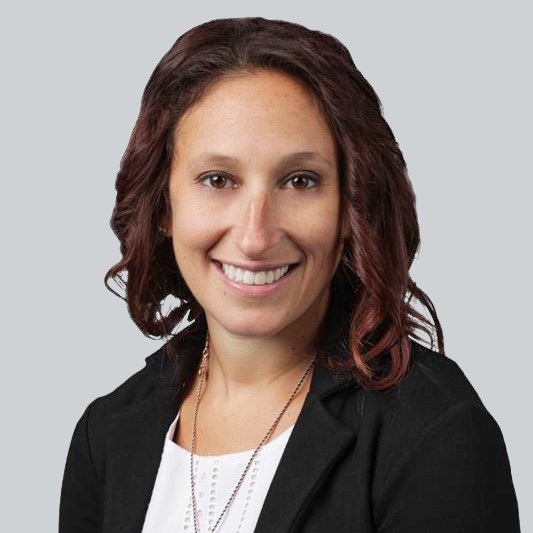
(252, 327)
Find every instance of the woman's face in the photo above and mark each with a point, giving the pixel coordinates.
(254, 183)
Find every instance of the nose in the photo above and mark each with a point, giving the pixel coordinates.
(257, 225)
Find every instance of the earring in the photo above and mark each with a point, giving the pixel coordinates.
(161, 230)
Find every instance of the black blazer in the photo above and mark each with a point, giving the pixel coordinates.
(424, 457)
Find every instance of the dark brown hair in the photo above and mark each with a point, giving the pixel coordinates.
(370, 310)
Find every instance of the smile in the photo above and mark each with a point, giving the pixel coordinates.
(254, 283)
(263, 277)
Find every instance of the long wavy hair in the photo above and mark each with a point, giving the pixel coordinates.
(371, 312)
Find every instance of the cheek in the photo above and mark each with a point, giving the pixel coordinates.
(321, 230)
(193, 231)
(191, 220)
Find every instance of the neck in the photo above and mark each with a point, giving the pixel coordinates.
(245, 369)
(251, 368)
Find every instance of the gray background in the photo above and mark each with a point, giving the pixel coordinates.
(455, 83)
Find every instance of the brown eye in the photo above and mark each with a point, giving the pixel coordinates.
(302, 180)
(217, 180)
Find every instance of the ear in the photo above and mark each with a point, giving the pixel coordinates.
(166, 225)
(345, 235)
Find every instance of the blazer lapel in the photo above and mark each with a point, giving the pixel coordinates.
(135, 445)
(316, 442)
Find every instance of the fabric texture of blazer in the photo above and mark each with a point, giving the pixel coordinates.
(426, 456)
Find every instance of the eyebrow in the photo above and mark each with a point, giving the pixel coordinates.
(288, 159)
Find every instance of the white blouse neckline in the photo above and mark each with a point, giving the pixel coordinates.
(278, 441)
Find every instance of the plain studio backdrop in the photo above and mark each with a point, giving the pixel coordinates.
(455, 82)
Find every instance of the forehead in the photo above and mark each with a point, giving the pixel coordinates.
(255, 113)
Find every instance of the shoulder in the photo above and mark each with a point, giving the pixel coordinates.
(134, 390)
(434, 395)
(161, 378)
(433, 384)
(134, 394)
(439, 374)
(437, 449)
(433, 406)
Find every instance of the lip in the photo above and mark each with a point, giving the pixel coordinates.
(257, 267)
(254, 290)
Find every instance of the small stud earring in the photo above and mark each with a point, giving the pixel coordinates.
(161, 230)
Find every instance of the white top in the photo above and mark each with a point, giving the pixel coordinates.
(170, 508)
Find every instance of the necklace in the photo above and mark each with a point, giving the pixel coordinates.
(202, 372)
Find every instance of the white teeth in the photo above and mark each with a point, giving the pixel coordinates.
(248, 277)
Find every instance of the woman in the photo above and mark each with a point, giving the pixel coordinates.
(263, 188)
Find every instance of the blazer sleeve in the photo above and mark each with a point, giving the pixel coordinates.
(80, 508)
(455, 478)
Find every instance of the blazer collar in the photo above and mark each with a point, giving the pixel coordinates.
(137, 439)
